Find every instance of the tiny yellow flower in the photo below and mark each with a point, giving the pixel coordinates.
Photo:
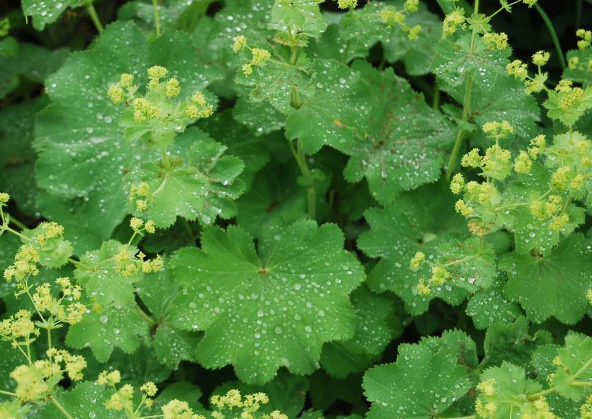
(116, 94)
(260, 56)
(457, 184)
(540, 58)
(172, 88)
(127, 80)
(4, 198)
(157, 72)
(149, 389)
(417, 260)
(136, 224)
(496, 41)
(239, 43)
(347, 4)
(150, 227)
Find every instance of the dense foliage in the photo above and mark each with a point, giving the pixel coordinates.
(272, 209)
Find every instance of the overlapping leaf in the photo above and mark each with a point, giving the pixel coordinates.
(84, 154)
(419, 221)
(394, 139)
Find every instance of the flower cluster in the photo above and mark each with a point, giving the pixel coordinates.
(258, 56)
(156, 117)
(38, 379)
(393, 17)
(248, 406)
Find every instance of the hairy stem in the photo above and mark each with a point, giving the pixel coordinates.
(466, 112)
(146, 317)
(7, 393)
(94, 17)
(156, 18)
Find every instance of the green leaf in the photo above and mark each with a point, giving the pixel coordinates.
(260, 117)
(575, 367)
(53, 252)
(32, 63)
(84, 153)
(553, 285)
(101, 278)
(240, 142)
(503, 100)
(274, 83)
(300, 16)
(86, 400)
(373, 334)
(456, 343)
(112, 326)
(158, 291)
(454, 62)
(416, 54)
(202, 185)
(45, 12)
(261, 310)
(274, 199)
(580, 73)
(510, 389)
(512, 343)
(491, 306)
(419, 385)
(172, 14)
(16, 154)
(394, 138)
(421, 220)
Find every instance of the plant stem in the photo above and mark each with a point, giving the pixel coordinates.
(535, 396)
(61, 408)
(94, 17)
(156, 18)
(466, 107)
(553, 34)
(17, 223)
(146, 317)
(79, 264)
(301, 161)
(7, 393)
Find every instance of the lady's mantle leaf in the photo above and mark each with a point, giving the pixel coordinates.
(109, 327)
(86, 400)
(421, 220)
(553, 285)
(419, 385)
(202, 185)
(276, 307)
(158, 291)
(373, 334)
(394, 138)
(84, 153)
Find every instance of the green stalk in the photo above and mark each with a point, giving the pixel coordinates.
(156, 18)
(466, 112)
(553, 34)
(94, 17)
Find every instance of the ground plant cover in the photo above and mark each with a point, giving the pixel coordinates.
(281, 209)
